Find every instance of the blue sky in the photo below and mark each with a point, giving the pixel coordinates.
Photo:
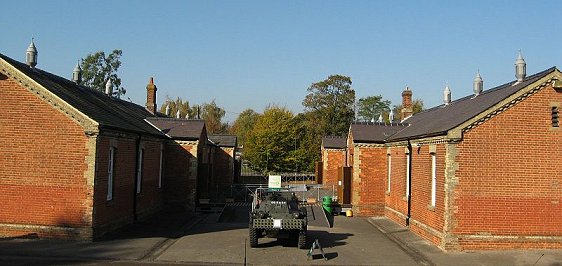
(248, 54)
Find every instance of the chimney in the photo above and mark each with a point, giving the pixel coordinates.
(109, 88)
(31, 55)
(151, 96)
(520, 68)
(407, 107)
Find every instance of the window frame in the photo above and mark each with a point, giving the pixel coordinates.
(433, 179)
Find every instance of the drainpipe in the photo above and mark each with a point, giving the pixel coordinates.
(135, 177)
(409, 196)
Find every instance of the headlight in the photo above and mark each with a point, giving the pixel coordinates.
(296, 214)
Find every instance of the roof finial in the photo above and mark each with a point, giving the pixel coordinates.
(477, 84)
(77, 73)
(178, 115)
(380, 119)
(168, 110)
(31, 54)
(391, 116)
(520, 67)
(447, 95)
(109, 88)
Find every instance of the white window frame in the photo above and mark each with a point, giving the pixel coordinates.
(110, 173)
(433, 179)
(407, 174)
(139, 170)
(161, 163)
(389, 172)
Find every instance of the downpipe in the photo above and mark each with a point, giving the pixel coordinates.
(137, 149)
(409, 196)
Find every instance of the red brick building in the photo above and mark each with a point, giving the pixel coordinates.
(333, 158)
(187, 160)
(76, 163)
(479, 172)
(225, 169)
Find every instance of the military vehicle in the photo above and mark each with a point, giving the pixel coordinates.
(275, 213)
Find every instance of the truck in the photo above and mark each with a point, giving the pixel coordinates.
(276, 213)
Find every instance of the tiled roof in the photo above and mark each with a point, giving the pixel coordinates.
(224, 140)
(369, 132)
(438, 120)
(109, 112)
(334, 142)
(181, 129)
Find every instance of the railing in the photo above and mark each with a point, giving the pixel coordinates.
(243, 192)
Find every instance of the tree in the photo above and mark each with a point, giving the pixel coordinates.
(213, 115)
(332, 99)
(269, 145)
(244, 124)
(372, 107)
(417, 106)
(174, 106)
(97, 69)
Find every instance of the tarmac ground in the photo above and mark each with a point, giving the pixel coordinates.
(218, 236)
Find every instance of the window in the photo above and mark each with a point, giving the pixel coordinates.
(433, 179)
(407, 174)
(110, 167)
(554, 114)
(139, 170)
(389, 172)
(161, 161)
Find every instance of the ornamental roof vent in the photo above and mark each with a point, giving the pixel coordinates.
(447, 95)
(477, 84)
(520, 68)
(77, 74)
(31, 55)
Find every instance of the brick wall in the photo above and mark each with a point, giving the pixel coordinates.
(332, 160)
(42, 179)
(118, 211)
(180, 178)
(368, 185)
(427, 221)
(395, 200)
(223, 165)
(508, 195)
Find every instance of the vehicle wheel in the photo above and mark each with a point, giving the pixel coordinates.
(302, 240)
(253, 237)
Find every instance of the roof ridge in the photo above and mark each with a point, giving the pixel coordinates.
(502, 86)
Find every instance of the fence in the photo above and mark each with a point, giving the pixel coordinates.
(243, 192)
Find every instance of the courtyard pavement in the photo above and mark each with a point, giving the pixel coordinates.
(208, 238)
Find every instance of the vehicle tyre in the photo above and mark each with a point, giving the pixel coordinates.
(302, 240)
(253, 237)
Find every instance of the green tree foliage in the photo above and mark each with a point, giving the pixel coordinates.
(417, 107)
(270, 146)
(308, 140)
(175, 105)
(244, 124)
(213, 115)
(332, 100)
(372, 107)
(97, 68)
